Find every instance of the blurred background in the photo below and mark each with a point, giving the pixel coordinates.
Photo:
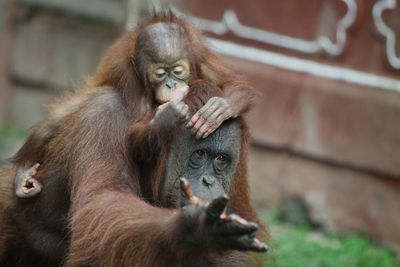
(325, 150)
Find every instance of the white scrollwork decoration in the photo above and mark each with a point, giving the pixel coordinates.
(386, 31)
(231, 23)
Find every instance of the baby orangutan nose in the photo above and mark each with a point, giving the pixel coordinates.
(170, 84)
(208, 180)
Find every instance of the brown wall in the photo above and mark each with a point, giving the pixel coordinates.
(334, 143)
(54, 45)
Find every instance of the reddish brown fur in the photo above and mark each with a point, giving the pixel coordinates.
(87, 170)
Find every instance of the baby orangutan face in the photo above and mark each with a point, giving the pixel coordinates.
(168, 80)
(166, 63)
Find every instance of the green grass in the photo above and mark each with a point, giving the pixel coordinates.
(300, 246)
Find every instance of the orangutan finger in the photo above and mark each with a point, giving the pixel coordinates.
(209, 110)
(186, 187)
(202, 130)
(217, 206)
(199, 115)
(198, 125)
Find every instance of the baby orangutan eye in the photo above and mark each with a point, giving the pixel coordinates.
(159, 73)
(178, 70)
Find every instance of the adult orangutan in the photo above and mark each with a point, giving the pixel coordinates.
(123, 212)
(100, 205)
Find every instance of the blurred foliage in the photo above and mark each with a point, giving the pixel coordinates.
(8, 132)
(302, 246)
(11, 139)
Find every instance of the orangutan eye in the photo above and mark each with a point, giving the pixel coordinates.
(200, 153)
(221, 158)
(221, 162)
(178, 71)
(160, 73)
(198, 158)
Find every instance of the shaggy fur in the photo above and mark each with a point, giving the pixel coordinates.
(95, 208)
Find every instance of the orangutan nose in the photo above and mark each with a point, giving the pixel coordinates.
(171, 84)
(208, 180)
